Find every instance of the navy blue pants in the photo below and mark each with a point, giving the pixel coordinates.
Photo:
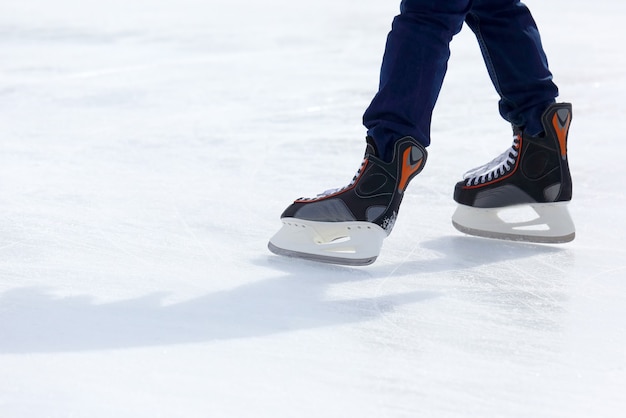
(416, 57)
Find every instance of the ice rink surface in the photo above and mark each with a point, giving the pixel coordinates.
(147, 149)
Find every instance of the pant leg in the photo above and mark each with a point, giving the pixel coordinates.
(413, 69)
(518, 67)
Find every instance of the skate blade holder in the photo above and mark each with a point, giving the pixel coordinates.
(548, 223)
(348, 243)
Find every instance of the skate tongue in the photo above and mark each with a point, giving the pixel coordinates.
(371, 148)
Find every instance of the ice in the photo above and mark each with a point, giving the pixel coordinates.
(147, 149)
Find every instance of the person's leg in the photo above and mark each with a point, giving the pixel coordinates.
(412, 72)
(347, 225)
(530, 183)
(518, 67)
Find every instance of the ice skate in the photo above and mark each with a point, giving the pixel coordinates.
(348, 225)
(523, 194)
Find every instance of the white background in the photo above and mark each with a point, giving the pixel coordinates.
(147, 149)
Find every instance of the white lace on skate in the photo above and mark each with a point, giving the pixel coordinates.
(338, 190)
(496, 168)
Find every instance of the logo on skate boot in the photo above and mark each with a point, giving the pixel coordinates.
(389, 222)
(412, 160)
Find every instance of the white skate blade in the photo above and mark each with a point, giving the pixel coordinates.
(348, 243)
(539, 222)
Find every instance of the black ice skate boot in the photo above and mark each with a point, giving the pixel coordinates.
(494, 199)
(348, 225)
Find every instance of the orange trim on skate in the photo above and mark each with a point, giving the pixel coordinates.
(561, 128)
(408, 169)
